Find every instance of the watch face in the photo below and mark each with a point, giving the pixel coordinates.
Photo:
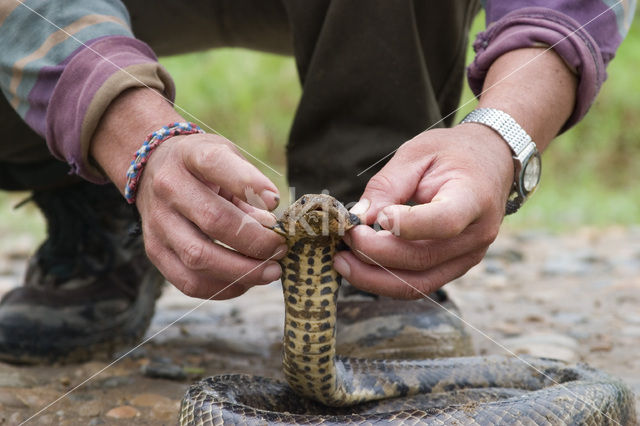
(531, 174)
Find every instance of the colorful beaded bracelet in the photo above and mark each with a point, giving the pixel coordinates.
(141, 156)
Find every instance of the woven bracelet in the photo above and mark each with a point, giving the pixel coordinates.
(141, 156)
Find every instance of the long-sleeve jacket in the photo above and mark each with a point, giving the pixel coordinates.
(62, 63)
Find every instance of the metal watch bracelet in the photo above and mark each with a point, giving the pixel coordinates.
(526, 158)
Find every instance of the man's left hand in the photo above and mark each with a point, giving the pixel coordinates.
(458, 181)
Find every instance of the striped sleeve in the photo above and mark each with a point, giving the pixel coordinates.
(586, 34)
(63, 63)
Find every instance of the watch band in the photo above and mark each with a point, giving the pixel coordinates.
(521, 145)
(514, 135)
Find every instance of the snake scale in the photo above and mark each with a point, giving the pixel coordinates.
(324, 388)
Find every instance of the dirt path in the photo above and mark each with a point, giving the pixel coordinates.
(573, 296)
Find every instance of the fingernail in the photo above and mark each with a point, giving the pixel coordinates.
(272, 272)
(383, 220)
(280, 251)
(270, 198)
(360, 207)
(341, 265)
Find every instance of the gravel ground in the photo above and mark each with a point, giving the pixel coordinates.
(573, 296)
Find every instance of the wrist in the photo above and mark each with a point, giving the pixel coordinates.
(118, 136)
(497, 156)
(535, 87)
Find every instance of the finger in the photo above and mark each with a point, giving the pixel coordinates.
(401, 284)
(191, 283)
(264, 217)
(194, 283)
(220, 164)
(386, 249)
(395, 183)
(447, 215)
(222, 220)
(198, 253)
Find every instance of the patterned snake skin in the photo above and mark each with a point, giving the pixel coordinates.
(324, 388)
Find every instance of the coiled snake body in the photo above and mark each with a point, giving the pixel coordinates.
(330, 389)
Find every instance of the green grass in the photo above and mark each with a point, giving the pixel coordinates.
(589, 173)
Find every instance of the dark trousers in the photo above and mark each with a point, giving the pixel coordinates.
(374, 74)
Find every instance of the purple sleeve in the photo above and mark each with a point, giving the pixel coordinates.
(93, 77)
(64, 61)
(585, 35)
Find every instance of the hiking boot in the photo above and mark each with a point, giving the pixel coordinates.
(371, 326)
(89, 290)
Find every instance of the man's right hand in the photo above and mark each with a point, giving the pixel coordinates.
(194, 189)
(192, 193)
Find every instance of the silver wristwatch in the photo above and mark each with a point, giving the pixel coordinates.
(526, 158)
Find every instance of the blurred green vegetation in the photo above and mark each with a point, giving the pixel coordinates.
(589, 173)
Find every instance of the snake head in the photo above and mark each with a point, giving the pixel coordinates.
(314, 215)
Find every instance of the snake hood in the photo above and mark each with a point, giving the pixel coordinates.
(315, 215)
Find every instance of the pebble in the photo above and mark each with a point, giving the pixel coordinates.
(90, 408)
(505, 254)
(14, 377)
(150, 400)
(569, 318)
(123, 412)
(601, 347)
(166, 412)
(115, 382)
(45, 419)
(546, 345)
(508, 329)
(163, 370)
(8, 398)
(15, 418)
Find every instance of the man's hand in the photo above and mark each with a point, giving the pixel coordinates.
(191, 193)
(194, 189)
(459, 180)
(459, 186)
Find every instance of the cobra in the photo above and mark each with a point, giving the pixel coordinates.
(323, 387)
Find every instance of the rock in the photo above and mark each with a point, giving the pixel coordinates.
(534, 318)
(150, 400)
(90, 409)
(114, 382)
(493, 267)
(123, 412)
(547, 345)
(14, 377)
(601, 347)
(569, 318)
(168, 412)
(508, 329)
(8, 398)
(16, 418)
(163, 370)
(505, 254)
(46, 419)
(95, 422)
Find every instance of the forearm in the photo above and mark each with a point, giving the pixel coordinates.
(586, 38)
(124, 126)
(535, 87)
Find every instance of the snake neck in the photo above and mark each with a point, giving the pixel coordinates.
(310, 287)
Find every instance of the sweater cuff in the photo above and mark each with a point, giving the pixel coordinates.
(535, 27)
(94, 78)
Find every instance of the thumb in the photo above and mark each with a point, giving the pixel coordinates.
(395, 183)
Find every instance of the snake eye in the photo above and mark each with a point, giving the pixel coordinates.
(303, 200)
